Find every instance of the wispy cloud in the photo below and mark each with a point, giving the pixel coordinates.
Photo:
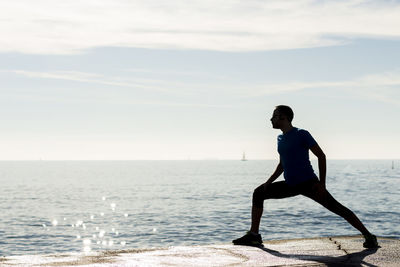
(178, 73)
(118, 90)
(57, 27)
(382, 87)
(138, 83)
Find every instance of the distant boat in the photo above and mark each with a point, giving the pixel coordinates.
(244, 157)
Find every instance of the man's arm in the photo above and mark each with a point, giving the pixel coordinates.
(317, 151)
(276, 174)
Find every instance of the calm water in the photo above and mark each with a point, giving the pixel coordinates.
(67, 206)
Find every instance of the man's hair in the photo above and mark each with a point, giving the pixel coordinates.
(286, 110)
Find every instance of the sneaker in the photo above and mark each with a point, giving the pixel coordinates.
(249, 239)
(370, 241)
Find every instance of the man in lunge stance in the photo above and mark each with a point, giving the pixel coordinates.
(293, 146)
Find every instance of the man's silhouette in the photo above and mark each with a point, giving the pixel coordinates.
(293, 147)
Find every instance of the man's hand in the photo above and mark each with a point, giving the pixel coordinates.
(266, 184)
(320, 190)
(275, 175)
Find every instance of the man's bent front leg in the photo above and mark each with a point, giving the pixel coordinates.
(256, 214)
(257, 208)
(275, 190)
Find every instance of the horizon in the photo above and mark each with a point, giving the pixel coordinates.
(312, 159)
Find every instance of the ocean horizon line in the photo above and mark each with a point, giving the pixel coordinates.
(205, 159)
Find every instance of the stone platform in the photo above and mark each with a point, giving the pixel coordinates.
(327, 251)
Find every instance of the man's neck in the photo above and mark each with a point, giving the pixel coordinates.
(286, 128)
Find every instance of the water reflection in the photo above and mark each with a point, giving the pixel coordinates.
(113, 205)
(102, 233)
(93, 231)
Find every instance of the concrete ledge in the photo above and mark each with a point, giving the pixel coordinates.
(332, 251)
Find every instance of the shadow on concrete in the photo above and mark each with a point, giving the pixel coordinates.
(351, 259)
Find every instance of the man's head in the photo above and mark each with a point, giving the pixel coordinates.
(283, 115)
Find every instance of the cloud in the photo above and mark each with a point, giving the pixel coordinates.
(120, 89)
(177, 73)
(382, 87)
(139, 83)
(66, 27)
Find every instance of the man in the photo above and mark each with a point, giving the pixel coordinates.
(293, 147)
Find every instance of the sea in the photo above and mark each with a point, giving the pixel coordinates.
(52, 207)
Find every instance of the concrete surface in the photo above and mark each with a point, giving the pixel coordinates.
(333, 251)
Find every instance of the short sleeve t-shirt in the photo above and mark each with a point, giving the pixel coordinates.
(293, 148)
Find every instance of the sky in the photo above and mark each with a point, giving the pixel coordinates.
(179, 79)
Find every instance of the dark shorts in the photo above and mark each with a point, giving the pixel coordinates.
(281, 189)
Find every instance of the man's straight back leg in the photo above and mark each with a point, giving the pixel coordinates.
(329, 202)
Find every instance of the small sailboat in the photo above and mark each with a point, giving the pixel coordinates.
(244, 157)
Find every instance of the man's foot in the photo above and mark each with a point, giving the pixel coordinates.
(249, 239)
(370, 241)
